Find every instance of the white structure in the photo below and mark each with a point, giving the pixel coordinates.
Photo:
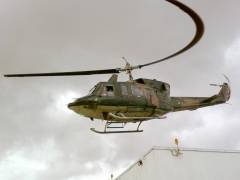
(185, 164)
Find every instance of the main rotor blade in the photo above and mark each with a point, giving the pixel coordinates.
(198, 34)
(74, 73)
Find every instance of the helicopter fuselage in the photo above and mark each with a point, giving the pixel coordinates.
(138, 99)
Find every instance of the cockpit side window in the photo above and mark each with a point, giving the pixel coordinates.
(108, 90)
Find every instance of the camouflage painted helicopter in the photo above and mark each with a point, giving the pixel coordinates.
(135, 101)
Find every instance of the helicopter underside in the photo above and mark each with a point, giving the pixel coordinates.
(104, 112)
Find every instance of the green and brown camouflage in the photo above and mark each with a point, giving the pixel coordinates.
(139, 100)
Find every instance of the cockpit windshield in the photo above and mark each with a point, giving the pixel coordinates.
(92, 90)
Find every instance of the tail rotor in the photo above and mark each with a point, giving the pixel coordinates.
(221, 85)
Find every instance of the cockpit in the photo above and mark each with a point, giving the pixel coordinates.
(102, 89)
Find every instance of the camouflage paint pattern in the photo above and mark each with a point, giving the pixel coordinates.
(139, 98)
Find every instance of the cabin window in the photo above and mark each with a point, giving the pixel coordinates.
(136, 91)
(124, 90)
(108, 91)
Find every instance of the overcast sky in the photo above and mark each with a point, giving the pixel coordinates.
(40, 139)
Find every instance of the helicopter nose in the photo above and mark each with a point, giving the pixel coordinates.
(71, 105)
(83, 101)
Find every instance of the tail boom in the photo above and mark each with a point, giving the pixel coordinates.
(193, 103)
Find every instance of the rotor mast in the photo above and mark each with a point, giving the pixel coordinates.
(128, 68)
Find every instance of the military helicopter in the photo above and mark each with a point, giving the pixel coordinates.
(137, 100)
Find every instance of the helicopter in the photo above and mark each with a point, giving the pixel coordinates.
(137, 100)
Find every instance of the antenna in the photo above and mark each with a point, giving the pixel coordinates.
(176, 152)
(177, 142)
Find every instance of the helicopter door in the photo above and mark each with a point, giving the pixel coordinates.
(151, 97)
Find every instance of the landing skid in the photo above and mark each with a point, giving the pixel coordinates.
(108, 126)
(114, 132)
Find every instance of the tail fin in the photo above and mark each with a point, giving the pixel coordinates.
(225, 92)
(221, 97)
